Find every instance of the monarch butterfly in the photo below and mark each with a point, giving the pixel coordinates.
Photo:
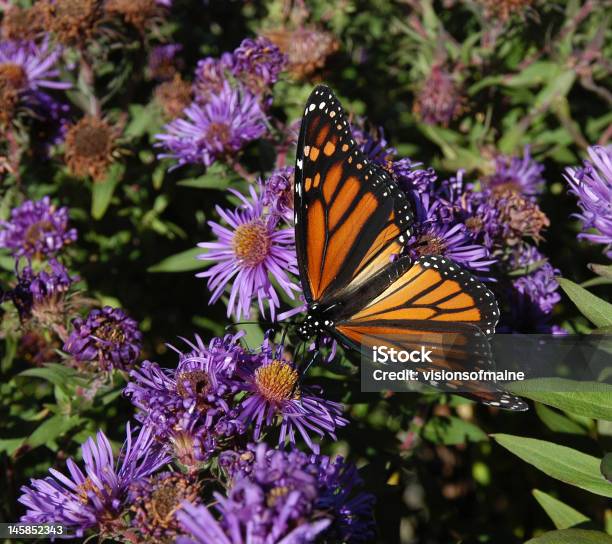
(351, 223)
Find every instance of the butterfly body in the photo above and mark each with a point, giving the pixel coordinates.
(352, 222)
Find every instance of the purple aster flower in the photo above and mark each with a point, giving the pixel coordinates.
(278, 192)
(96, 495)
(328, 488)
(523, 175)
(411, 178)
(25, 70)
(36, 229)
(540, 285)
(248, 254)
(155, 502)
(216, 130)
(240, 523)
(257, 64)
(211, 75)
(107, 337)
(592, 185)
(434, 235)
(191, 407)
(41, 295)
(274, 395)
(373, 143)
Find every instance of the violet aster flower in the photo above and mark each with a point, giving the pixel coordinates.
(434, 235)
(337, 484)
(36, 229)
(412, 178)
(274, 395)
(211, 75)
(94, 496)
(592, 185)
(42, 295)
(25, 70)
(523, 175)
(278, 192)
(155, 502)
(191, 407)
(373, 143)
(248, 254)
(216, 130)
(106, 337)
(240, 525)
(257, 63)
(539, 285)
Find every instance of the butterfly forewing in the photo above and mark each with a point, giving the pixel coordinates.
(351, 217)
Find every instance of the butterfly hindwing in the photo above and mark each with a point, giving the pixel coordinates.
(351, 217)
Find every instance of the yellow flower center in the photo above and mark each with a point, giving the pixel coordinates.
(251, 243)
(277, 381)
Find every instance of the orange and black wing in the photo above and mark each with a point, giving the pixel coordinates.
(434, 303)
(350, 216)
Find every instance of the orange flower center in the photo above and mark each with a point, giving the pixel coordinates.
(251, 243)
(12, 76)
(277, 381)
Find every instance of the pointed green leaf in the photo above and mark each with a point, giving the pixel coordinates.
(593, 308)
(566, 464)
(557, 422)
(184, 261)
(602, 270)
(55, 373)
(572, 536)
(102, 191)
(562, 515)
(50, 429)
(590, 399)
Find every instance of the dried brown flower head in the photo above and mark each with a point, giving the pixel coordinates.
(138, 13)
(521, 217)
(22, 23)
(72, 21)
(173, 96)
(440, 99)
(307, 48)
(89, 147)
(13, 79)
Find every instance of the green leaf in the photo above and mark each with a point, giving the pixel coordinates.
(207, 181)
(216, 177)
(451, 431)
(593, 308)
(565, 464)
(10, 445)
(602, 270)
(50, 429)
(606, 467)
(55, 373)
(562, 515)
(184, 261)
(557, 422)
(102, 191)
(572, 536)
(590, 399)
